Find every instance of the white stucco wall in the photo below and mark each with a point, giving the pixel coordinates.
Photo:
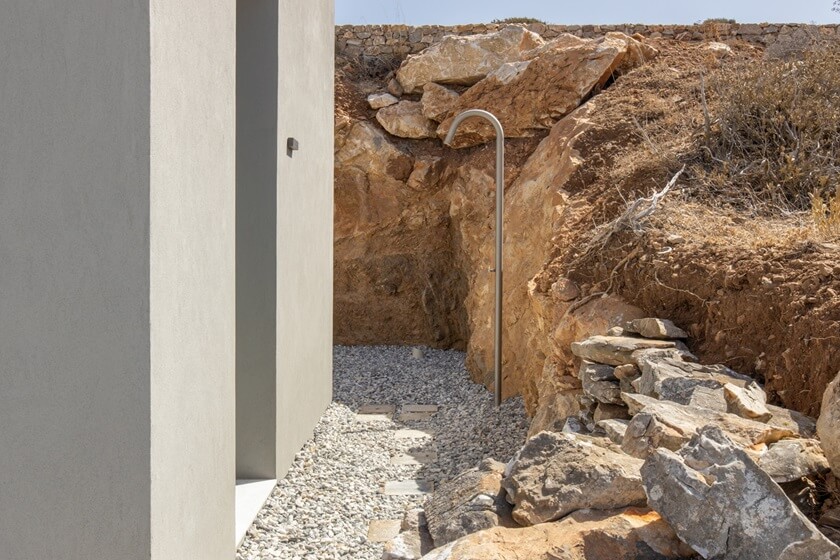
(304, 218)
(117, 270)
(192, 271)
(116, 279)
(74, 279)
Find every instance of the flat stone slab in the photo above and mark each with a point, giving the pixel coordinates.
(407, 487)
(413, 434)
(366, 418)
(418, 458)
(415, 416)
(377, 409)
(419, 408)
(383, 530)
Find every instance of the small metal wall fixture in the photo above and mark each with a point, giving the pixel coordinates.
(291, 146)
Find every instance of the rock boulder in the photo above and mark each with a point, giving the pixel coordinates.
(725, 507)
(437, 101)
(615, 350)
(467, 59)
(471, 502)
(664, 424)
(555, 474)
(655, 328)
(628, 534)
(551, 82)
(828, 425)
(406, 120)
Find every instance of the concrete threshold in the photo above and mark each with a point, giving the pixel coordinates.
(251, 496)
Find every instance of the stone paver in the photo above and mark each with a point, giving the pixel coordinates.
(419, 408)
(415, 416)
(377, 409)
(417, 458)
(373, 417)
(383, 530)
(413, 434)
(407, 487)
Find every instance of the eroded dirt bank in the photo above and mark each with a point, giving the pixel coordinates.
(414, 239)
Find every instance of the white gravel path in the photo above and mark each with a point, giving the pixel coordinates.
(323, 507)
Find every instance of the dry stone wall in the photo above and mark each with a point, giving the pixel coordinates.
(401, 40)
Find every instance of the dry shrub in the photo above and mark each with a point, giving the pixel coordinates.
(525, 20)
(371, 67)
(772, 133)
(825, 211)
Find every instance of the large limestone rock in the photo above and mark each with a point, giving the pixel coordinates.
(792, 459)
(650, 327)
(600, 383)
(615, 350)
(708, 386)
(828, 425)
(437, 101)
(551, 82)
(664, 424)
(725, 507)
(370, 172)
(555, 474)
(380, 100)
(406, 120)
(749, 401)
(467, 59)
(471, 502)
(628, 534)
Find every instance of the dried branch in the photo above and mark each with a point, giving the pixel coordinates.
(634, 216)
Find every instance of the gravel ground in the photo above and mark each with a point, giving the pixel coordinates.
(322, 509)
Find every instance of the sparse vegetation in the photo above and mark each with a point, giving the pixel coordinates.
(772, 133)
(518, 20)
(825, 211)
(374, 68)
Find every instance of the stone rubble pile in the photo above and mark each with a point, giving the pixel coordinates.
(666, 458)
(501, 72)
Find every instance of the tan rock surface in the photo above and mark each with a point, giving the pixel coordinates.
(395, 278)
(723, 505)
(437, 101)
(555, 474)
(628, 534)
(551, 83)
(828, 425)
(465, 59)
(664, 424)
(406, 120)
(471, 502)
(380, 100)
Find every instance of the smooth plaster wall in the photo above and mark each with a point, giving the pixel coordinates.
(304, 222)
(256, 238)
(74, 279)
(192, 312)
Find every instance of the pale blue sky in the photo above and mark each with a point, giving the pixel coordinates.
(448, 12)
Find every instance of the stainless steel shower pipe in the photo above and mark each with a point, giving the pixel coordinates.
(500, 208)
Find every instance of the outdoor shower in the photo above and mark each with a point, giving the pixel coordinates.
(500, 208)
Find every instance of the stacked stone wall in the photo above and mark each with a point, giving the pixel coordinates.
(401, 40)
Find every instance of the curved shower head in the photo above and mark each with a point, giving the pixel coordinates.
(500, 135)
(500, 208)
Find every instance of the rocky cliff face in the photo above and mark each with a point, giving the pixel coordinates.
(593, 124)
